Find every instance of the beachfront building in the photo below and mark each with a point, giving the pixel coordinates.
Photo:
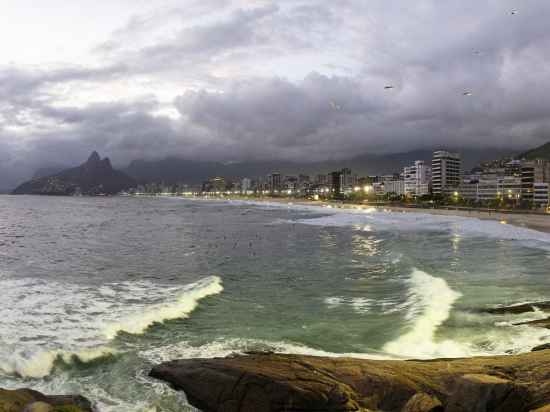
(511, 188)
(446, 171)
(489, 187)
(541, 197)
(469, 188)
(215, 185)
(334, 183)
(246, 186)
(417, 179)
(274, 182)
(532, 172)
(394, 187)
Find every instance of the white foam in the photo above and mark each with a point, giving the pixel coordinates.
(224, 347)
(383, 220)
(45, 321)
(432, 300)
(360, 305)
(181, 307)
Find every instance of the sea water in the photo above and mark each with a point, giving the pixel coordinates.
(97, 290)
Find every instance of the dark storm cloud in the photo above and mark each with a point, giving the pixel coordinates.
(248, 106)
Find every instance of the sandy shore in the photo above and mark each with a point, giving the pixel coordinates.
(539, 222)
(536, 222)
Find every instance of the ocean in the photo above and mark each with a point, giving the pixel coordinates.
(97, 290)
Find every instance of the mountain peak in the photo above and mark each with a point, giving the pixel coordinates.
(94, 157)
(106, 163)
(96, 176)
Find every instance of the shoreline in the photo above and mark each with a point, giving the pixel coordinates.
(534, 221)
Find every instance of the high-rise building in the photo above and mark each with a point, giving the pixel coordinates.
(335, 180)
(246, 185)
(347, 180)
(274, 182)
(417, 179)
(396, 187)
(446, 170)
(533, 171)
(541, 196)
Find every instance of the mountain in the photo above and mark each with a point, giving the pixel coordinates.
(175, 170)
(48, 171)
(95, 176)
(541, 152)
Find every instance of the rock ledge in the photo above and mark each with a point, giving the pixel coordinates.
(294, 383)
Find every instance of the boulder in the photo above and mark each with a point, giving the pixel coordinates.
(38, 407)
(484, 393)
(27, 400)
(297, 383)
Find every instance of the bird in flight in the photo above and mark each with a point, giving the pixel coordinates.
(514, 12)
(388, 87)
(335, 106)
(467, 93)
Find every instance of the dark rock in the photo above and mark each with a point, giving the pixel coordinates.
(295, 383)
(545, 346)
(94, 177)
(482, 393)
(518, 309)
(540, 323)
(28, 400)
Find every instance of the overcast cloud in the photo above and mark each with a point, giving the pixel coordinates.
(250, 79)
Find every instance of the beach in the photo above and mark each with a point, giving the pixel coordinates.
(534, 221)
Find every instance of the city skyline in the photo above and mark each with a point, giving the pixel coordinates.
(263, 80)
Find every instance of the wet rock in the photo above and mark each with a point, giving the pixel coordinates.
(541, 323)
(27, 400)
(546, 346)
(518, 309)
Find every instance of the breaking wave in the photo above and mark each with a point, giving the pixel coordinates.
(42, 326)
(431, 302)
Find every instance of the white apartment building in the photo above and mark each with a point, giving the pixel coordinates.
(541, 197)
(417, 179)
(446, 171)
(246, 185)
(394, 186)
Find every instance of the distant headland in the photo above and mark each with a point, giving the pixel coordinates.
(94, 177)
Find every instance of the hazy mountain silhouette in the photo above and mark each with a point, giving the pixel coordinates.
(95, 176)
(174, 170)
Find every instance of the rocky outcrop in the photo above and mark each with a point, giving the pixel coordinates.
(518, 309)
(95, 176)
(294, 383)
(27, 400)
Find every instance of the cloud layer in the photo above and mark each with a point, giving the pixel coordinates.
(295, 80)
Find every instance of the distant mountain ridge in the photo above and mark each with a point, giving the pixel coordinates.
(95, 176)
(176, 170)
(541, 152)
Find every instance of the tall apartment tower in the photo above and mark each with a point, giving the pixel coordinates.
(532, 172)
(446, 170)
(417, 179)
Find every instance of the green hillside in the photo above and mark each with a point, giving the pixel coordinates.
(541, 152)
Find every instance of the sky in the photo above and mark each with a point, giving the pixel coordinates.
(236, 80)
